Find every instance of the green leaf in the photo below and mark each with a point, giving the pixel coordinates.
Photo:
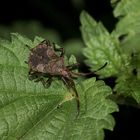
(128, 12)
(72, 60)
(101, 47)
(128, 30)
(125, 7)
(28, 111)
(135, 64)
(128, 87)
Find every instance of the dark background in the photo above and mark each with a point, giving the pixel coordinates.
(63, 17)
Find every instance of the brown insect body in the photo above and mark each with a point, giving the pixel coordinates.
(43, 59)
(45, 62)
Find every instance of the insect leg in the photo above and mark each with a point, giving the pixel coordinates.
(59, 49)
(35, 76)
(32, 75)
(71, 86)
(28, 47)
(46, 83)
(73, 66)
(46, 41)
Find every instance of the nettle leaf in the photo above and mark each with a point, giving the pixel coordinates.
(128, 31)
(28, 111)
(128, 12)
(128, 87)
(102, 47)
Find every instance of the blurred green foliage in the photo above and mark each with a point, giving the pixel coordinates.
(30, 29)
(34, 28)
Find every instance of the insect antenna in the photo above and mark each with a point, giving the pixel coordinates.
(75, 74)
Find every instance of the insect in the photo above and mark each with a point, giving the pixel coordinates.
(45, 63)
